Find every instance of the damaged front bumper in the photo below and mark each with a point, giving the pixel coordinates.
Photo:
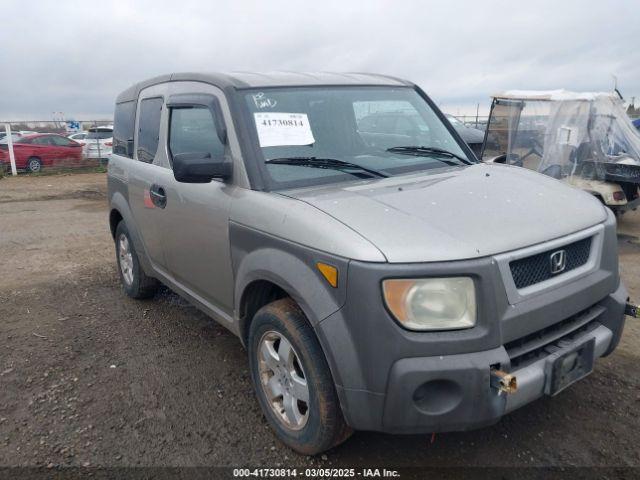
(472, 390)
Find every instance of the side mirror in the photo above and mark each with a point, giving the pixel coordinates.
(200, 167)
(130, 148)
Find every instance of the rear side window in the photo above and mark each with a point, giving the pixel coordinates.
(61, 141)
(193, 130)
(45, 140)
(149, 128)
(124, 121)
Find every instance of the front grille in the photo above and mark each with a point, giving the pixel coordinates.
(536, 345)
(537, 268)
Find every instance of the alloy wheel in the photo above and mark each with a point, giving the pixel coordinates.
(125, 259)
(283, 380)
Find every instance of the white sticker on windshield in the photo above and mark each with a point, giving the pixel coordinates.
(279, 129)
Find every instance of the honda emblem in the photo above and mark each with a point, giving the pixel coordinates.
(558, 261)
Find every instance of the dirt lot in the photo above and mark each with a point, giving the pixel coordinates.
(90, 377)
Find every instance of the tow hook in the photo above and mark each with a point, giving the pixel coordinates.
(632, 310)
(504, 382)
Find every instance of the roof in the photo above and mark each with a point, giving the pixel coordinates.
(552, 95)
(39, 134)
(240, 80)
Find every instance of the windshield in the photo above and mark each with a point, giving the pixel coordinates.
(358, 125)
(14, 139)
(575, 137)
(99, 135)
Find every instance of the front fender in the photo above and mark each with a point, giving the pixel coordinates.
(260, 256)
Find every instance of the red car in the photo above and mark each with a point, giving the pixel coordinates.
(33, 152)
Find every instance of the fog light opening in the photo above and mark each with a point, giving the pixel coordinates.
(438, 397)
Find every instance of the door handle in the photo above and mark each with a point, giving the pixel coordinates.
(158, 196)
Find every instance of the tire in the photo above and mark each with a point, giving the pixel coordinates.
(135, 282)
(34, 165)
(317, 424)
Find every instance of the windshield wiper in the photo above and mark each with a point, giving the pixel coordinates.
(328, 163)
(419, 150)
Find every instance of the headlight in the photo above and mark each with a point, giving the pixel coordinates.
(432, 303)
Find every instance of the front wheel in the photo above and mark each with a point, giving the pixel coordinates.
(292, 380)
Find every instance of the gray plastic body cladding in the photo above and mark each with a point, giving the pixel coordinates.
(614, 318)
(456, 393)
(365, 330)
(259, 256)
(379, 363)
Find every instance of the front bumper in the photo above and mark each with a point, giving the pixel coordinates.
(393, 380)
(95, 154)
(533, 379)
(453, 392)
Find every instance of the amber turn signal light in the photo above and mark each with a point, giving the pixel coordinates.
(329, 272)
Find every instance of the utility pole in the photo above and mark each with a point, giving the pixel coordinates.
(12, 158)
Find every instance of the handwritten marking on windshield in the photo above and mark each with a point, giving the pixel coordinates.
(263, 102)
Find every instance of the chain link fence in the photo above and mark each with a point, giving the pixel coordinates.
(474, 121)
(42, 147)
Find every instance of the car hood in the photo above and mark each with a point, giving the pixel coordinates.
(457, 213)
(471, 135)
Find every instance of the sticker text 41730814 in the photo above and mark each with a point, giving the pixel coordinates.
(280, 129)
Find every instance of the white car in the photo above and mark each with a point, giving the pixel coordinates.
(99, 142)
(80, 137)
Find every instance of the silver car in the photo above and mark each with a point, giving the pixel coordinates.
(98, 142)
(380, 279)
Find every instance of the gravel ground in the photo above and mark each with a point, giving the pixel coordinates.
(89, 377)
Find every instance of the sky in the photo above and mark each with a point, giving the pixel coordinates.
(76, 56)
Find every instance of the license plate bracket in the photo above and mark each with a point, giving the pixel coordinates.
(568, 365)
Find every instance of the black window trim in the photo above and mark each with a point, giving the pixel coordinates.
(195, 100)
